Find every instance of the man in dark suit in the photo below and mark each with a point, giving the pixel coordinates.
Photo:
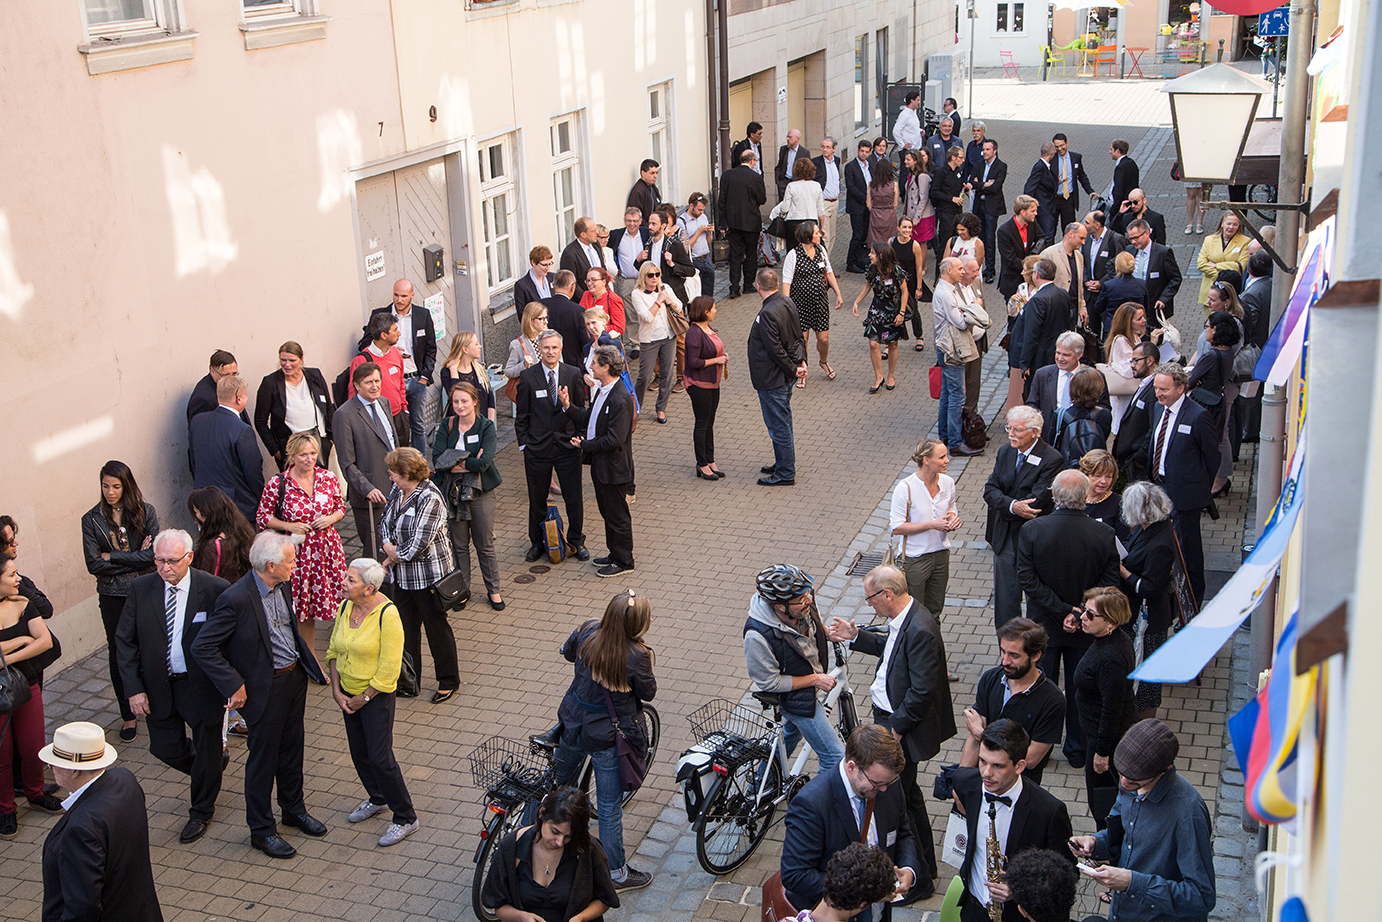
(1018, 490)
(629, 244)
(1182, 455)
(1125, 175)
(828, 813)
(1156, 264)
(417, 341)
(224, 450)
(1136, 207)
(742, 195)
(1017, 239)
(787, 156)
(251, 650)
(753, 140)
(364, 437)
(1101, 245)
(1047, 315)
(858, 175)
(96, 859)
(605, 440)
(997, 800)
(670, 253)
(1130, 444)
(1256, 300)
(989, 204)
(910, 692)
(777, 360)
(1041, 185)
(1059, 558)
(163, 613)
(535, 284)
(1068, 168)
(828, 174)
(566, 317)
(644, 194)
(1050, 388)
(544, 433)
(582, 253)
(203, 399)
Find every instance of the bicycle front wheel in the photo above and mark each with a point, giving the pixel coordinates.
(498, 827)
(650, 723)
(734, 821)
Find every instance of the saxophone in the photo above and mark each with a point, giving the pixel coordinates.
(997, 862)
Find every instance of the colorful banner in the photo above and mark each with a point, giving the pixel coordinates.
(1284, 346)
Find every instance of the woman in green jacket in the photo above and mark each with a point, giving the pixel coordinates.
(470, 520)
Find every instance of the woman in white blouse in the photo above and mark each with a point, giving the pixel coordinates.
(1129, 327)
(803, 200)
(657, 346)
(923, 513)
(293, 399)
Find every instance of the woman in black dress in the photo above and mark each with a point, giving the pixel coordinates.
(1213, 370)
(886, 321)
(808, 279)
(463, 364)
(1103, 693)
(1146, 573)
(1103, 504)
(912, 258)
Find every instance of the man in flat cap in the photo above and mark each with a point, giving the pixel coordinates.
(1157, 842)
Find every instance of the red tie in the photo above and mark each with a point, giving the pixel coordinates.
(1160, 444)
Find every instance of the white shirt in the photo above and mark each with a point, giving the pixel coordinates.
(380, 415)
(912, 502)
(879, 689)
(1108, 193)
(1002, 822)
(856, 803)
(405, 342)
(868, 173)
(629, 248)
(1063, 388)
(907, 128)
(651, 329)
(1168, 420)
(789, 265)
(689, 226)
(655, 250)
(177, 663)
(71, 799)
(832, 181)
(757, 149)
(301, 413)
(596, 405)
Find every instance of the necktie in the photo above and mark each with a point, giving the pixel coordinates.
(1064, 178)
(1160, 443)
(170, 612)
(552, 385)
(997, 799)
(1021, 457)
(383, 426)
(868, 818)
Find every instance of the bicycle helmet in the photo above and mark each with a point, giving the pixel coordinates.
(783, 582)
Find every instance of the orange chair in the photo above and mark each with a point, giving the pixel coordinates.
(1106, 54)
(1009, 65)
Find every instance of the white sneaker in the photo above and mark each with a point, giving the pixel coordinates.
(365, 811)
(396, 833)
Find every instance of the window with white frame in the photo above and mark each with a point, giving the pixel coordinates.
(880, 74)
(567, 181)
(1010, 18)
(861, 76)
(267, 9)
(661, 144)
(119, 18)
(499, 208)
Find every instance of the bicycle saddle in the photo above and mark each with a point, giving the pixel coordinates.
(546, 740)
(768, 699)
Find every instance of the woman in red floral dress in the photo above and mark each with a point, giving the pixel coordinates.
(311, 505)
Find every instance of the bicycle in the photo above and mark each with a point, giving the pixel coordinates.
(1260, 195)
(747, 755)
(516, 776)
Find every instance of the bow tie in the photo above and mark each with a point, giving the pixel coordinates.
(996, 799)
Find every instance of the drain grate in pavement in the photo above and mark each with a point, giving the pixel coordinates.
(525, 578)
(540, 568)
(863, 563)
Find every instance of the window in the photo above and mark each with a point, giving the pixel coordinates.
(499, 208)
(881, 74)
(661, 146)
(566, 176)
(861, 71)
(125, 34)
(116, 18)
(1010, 18)
(270, 23)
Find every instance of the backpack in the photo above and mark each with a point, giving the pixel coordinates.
(554, 535)
(340, 388)
(973, 430)
(1078, 437)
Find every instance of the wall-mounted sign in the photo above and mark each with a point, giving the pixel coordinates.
(374, 266)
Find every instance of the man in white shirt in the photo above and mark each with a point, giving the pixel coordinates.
(696, 231)
(828, 175)
(907, 128)
(630, 246)
(787, 160)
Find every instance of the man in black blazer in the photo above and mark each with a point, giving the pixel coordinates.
(1017, 239)
(566, 317)
(1136, 207)
(96, 858)
(629, 244)
(989, 204)
(224, 451)
(1156, 264)
(1101, 245)
(1256, 300)
(1068, 169)
(165, 684)
(582, 253)
(1041, 185)
(829, 174)
(1130, 444)
(1182, 455)
(742, 195)
(787, 156)
(913, 699)
(1047, 315)
(364, 438)
(1059, 557)
(858, 175)
(544, 432)
(251, 650)
(1125, 175)
(605, 439)
(271, 409)
(995, 798)
(672, 257)
(1049, 381)
(826, 816)
(1018, 490)
(203, 398)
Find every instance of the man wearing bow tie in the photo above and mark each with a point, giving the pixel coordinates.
(997, 802)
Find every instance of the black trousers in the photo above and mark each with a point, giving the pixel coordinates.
(1007, 590)
(613, 500)
(199, 757)
(539, 470)
(988, 227)
(743, 260)
(366, 523)
(369, 733)
(1101, 788)
(1187, 523)
(418, 611)
(916, 812)
(858, 256)
(1060, 650)
(1064, 209)
(111, 606)
(704, 402)
(276, 744)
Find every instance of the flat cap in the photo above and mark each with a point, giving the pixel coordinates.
(1146, 750)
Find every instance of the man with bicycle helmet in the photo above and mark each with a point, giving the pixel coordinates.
(787, 653)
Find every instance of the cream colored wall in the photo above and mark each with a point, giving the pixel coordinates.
(149, 217)
(519, 64)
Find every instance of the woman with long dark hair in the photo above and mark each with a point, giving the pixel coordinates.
(705, 370)
(118, 543)
(23, 638)
(886, 319)
(224, 536)
(614, 672)
(882, 202)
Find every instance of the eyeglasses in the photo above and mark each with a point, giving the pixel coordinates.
(542, 317)
(1089, 613)
(1010, 430)
(869, 597)
(546, 264)
(169, 561)
(880, 785)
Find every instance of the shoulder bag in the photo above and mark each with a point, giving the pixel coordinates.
(511, 387)
(278, 504)
(14, 688)
(633, 765)
(676, 320)
(1118, 385)
(890, 558)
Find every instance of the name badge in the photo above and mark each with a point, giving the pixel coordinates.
(1141, 404)
(1155, 275)
(408, 512)
(1033, 460)
(472, 438)
(395, 370)
(891, 839)
(539, 393)
(1183, 429)
(321, 398)
(199, 617)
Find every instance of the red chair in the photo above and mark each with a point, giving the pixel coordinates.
(1009, 65)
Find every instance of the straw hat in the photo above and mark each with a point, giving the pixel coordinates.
(79, 746)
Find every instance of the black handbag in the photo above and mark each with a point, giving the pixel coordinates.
(451, 592)
(50, 656)
(778, 227)
(14, 688)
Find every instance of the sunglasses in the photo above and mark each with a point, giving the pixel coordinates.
(654, 275)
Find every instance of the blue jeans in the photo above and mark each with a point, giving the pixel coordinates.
(952, 400)
(607, 793)
(819, 734)
(417, 414)
(707, 270)
(777, 416)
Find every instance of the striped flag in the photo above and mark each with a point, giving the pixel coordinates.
(1284, 346)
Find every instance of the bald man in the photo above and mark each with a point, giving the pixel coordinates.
(787, 159)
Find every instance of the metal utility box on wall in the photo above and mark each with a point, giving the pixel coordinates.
(947, 70)
(432, 262)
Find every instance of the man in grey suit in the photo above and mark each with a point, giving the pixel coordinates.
(223, 449)
(364, 437)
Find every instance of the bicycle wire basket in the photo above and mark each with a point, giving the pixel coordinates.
(720, 721)
(509, 769)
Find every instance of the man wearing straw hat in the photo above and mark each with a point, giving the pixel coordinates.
(96, 860)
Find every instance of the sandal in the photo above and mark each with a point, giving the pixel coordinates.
(441, 696)
(920, 347)
(800, 382)
(829, 372)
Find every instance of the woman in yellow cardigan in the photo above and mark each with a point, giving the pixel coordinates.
(1226, 248)
(365, 656)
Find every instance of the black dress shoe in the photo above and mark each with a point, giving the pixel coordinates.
(307, 823)
(441, 696)
(775, 482)
(769, 468)
(534, 553)
(225, 758)
(733, 293)
(602, 561)
(274, 846)
(964, 451)
(195, 829)
(581, 553)
(127, 734)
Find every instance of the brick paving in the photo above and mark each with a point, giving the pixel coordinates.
(698, 545)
